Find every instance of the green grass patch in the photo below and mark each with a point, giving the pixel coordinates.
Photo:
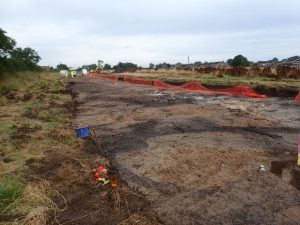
(10, 190)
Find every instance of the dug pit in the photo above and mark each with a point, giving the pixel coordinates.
(288, 171)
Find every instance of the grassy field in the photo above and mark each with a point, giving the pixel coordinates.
(211, 80)
(33, 120)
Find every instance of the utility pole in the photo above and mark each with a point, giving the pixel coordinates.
(188, 60)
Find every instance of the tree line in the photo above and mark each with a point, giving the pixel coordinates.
(15, 59)
(119, 66)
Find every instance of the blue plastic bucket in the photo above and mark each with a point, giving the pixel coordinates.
(82, 131)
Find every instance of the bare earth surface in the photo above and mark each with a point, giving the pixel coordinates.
(196, 157)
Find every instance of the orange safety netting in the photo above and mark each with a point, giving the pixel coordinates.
(239, 90)
(298, 97)
(190, 86)
(92, 74)
(106, 77)
(138, 81)
(194, 86)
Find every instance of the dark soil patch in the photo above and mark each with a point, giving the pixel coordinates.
(41, 97)
(87, 202)
(4, 115)
(30, 113)
(21, 134)
(9, 218)
(69, 86)
(71, 106)
(27, 96)
(98, 205)
(282, 92)
(10, 94)
(7, 160)
(62, 91)
(287, 170)
(54, 104)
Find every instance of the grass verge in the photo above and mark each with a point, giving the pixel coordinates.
(211, 80)
(33, 120)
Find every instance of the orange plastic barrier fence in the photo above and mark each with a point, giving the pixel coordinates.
(239, 90)
(138, 81)
(194, 86)
(190, 86)
(298, 97)
(162, 85)
(107, 77)
(92, 74)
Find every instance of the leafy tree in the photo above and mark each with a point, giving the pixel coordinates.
(125, 66)
(62, 67)
(16, 59)
(6, 44)
(28, 56)
(198, 63)
(239, 60)
(229, 62)
(92, 67)
(107, 67)
(89, 67)
(177, 65)
(163, 65)
(151, 66)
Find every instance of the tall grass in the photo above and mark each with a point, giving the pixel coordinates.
(17, 81)
(30, 80)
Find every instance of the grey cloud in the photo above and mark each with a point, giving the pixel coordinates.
(153, 30)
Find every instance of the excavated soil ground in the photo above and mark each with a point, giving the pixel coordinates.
(196, 157)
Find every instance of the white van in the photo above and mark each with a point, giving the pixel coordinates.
(63, 73)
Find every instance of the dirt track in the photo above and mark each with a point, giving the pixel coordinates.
(196, 157)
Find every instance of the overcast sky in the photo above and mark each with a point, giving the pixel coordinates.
(143, 31)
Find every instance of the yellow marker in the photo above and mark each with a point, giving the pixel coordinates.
(114, 181)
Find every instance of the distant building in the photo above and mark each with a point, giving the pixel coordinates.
(271, 62)
(45, 68)
(292, 61)
(214, 64)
